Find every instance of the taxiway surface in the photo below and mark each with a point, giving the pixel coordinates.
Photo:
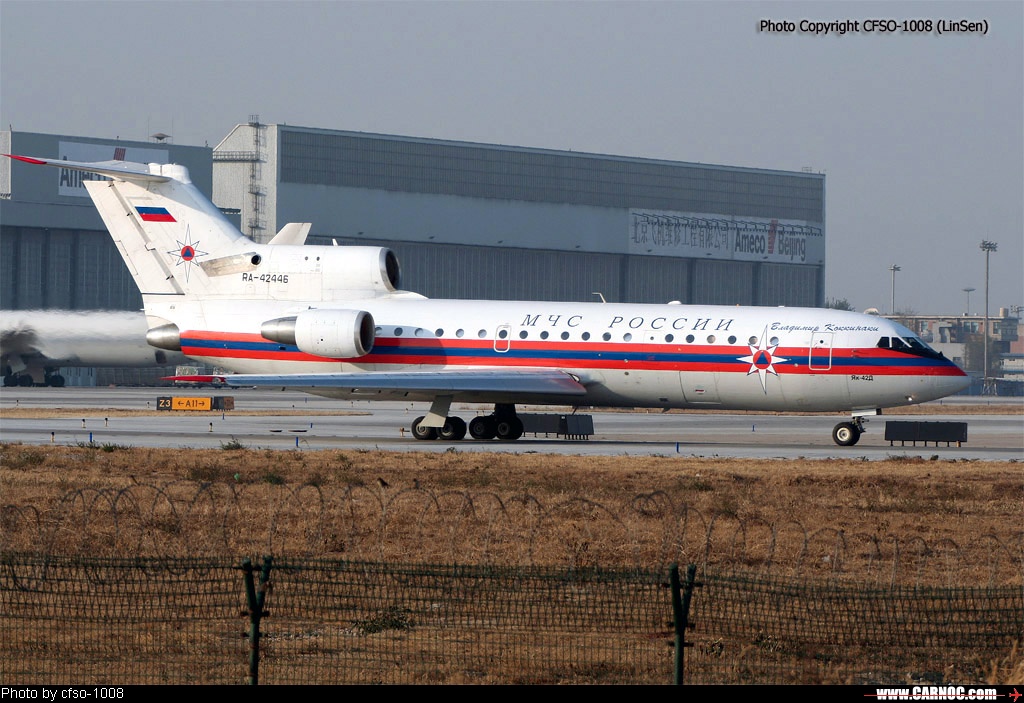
(291, 420)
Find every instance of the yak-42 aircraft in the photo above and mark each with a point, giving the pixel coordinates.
(334, 322)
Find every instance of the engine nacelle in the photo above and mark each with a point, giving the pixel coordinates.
(357, 269)
(311, 272)
(335, 334)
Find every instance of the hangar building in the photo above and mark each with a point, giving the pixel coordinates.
(466, 220)
(474, 220)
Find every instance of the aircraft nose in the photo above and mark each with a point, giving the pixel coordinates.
(959, 383)
(951, 385)
(948, 385)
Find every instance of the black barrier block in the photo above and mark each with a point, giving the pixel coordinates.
(223, 402)
(913, 431)
(568, 426)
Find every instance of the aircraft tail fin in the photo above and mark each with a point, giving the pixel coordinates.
(172, 238)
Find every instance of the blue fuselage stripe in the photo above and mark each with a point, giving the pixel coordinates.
(451, 354)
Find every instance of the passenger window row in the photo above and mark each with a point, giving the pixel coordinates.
(504, 333)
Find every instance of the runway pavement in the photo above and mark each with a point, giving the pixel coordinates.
(298, 421)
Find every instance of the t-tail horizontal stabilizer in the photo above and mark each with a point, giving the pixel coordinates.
(127, 170)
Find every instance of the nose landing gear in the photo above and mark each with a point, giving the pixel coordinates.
(847, 434)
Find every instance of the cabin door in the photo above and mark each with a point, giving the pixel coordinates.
(503, 338)
(820, 352)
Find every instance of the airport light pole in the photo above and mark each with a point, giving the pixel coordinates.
(987, 247)
(894, 268)
(968, 291)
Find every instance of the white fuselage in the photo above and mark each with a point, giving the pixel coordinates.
(664, 356)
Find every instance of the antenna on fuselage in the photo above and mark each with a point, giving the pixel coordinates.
(600, 295)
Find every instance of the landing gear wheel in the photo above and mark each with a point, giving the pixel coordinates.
(454, 429)
(846, 434)
(483, 427)
(422, 432)
(55, 381)
(509, 428)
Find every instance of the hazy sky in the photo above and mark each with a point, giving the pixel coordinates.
(921, 134)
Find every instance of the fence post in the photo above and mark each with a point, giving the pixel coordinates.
(255, 601)
(681, 613)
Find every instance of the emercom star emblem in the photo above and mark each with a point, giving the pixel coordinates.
(762, 360)
(187, 253)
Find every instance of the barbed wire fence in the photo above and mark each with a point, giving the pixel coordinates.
(181, 518)
(364, 584)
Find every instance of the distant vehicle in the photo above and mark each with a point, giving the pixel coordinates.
(197, 377)
(36, 344)
(333, 321)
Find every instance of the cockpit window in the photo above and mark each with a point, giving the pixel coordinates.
(909, 345)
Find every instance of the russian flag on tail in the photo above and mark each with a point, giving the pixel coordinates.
(155, 214)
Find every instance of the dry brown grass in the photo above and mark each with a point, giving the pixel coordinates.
(903, 520)
(596, 510)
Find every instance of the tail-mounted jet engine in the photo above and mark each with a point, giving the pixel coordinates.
(335, 334)
(359, 268)
(309, 272)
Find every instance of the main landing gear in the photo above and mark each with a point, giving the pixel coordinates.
(454, 428)
(25, 380)
(502, 424)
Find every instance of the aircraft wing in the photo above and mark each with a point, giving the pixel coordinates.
(470, 381)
